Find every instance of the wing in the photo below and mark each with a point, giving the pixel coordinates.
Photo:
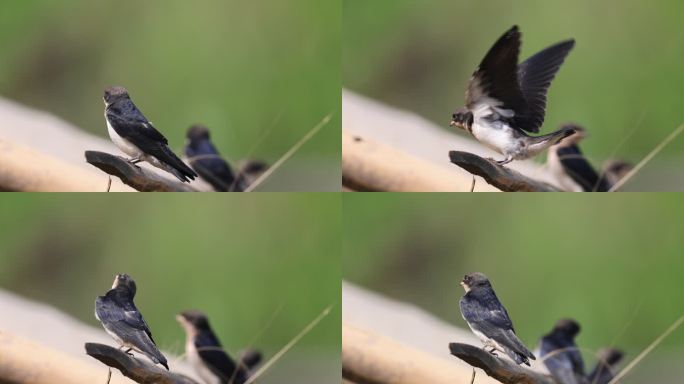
(130, 124)
(497, 76)
(216, 359)
(207, 162)
(579, 169)
(486, 312)
(535, 75)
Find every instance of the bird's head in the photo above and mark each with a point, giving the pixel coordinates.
(567, 326)
(192, 321)
(463, 119)
(113, 94)
(574, 138)
(125, 283)
(610, 356)
(197, 132)
(474, 280)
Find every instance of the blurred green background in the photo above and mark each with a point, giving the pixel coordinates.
(614, 263)
(238, 259)
(242, 68)
(622, 81)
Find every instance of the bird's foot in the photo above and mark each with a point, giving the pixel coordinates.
(128, 351)
(503, 162)
(491, 351)
(134, 160)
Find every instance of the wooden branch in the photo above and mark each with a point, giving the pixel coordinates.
(23, 361)
(368, 358)
(25, 170)
(139, 178)
(503, 370)
(373, 167)
(497, 175)
(140, 371)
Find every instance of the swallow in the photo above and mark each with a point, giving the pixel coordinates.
(207, 162)
(488, 319)
(135, 136)
(615, 170)
(569, 166)
(208, 358)
(505, 100)
(604, 372)
(123, 322)
(560, 355)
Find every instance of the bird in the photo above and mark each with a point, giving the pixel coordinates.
(123, 322)
(615, 169)
(560, 355)
(571, 169)
(207, 162)
(488, 319)
(135, 136)
(605, 369)
(505, 100)
(208, 358)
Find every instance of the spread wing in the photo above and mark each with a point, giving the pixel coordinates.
(495, 80)
(535, 75)
(580, 170)
(216, 359)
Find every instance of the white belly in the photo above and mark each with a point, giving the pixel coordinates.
(500, 138)
(198, 365)
(124, 145)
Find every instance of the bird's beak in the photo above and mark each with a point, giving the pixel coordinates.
(452, 123)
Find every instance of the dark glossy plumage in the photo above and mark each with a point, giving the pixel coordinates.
(560, 354)
(483, 312)
(205, 159)
(521, 88)
(121, 319)
(211, 353)
(580, 170)
(129, 123)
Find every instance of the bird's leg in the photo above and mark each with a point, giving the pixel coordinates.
(128, 351)
(135, 160)
(505, 161)
(490, 345)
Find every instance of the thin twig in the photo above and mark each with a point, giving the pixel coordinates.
(288, 346)
(288, 154)
(109, 374)
(646, 159)
(646, 351)
(472, 378)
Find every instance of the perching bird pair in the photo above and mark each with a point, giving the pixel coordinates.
(506, 101)
(135, 135)
(489, 321)
(122, 320)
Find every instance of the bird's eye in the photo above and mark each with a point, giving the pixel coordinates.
(454, 116)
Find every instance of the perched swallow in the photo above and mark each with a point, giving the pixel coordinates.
(615, 170)
(488, 319)
(506, 100)
(569, 166)
(137, 137)
(122, 320)
(560, 354)
(206, 355)
(604, 372)
(207, 162)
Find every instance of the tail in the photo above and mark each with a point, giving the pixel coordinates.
(156, 356)
(175, 165)
(539, 144)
